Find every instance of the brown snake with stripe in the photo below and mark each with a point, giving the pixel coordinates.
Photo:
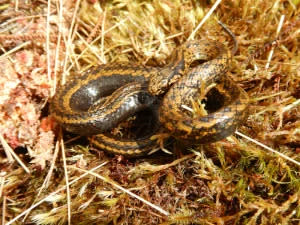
(218, 123)
(96, 102)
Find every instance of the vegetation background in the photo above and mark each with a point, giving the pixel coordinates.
(233, 181)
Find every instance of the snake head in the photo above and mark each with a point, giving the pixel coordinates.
(167, 76)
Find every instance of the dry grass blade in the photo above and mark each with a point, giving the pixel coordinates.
(113, 183)
(155, 169)
(62, 146)
(208, 14)
(58, 46)
(2, 180)
(268, 148)
(48, 177)
(233, 181)
(277, 33)
(6, 54)
(69, 41)
(53, 193)
(11, 154)
(48, 31)
(3, 209)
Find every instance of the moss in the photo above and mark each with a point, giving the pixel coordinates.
(233, 181)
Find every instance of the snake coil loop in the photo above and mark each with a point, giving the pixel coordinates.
(96, 102)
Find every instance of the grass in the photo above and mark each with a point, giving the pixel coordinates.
(233, 181)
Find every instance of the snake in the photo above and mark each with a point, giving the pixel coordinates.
(94, 103)
(222, 118)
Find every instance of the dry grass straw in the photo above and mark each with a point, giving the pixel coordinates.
(232, 181)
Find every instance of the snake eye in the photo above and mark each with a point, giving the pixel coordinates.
(145, 98)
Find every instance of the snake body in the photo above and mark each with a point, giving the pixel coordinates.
(100, 99)
(96, 102)
(218, 123)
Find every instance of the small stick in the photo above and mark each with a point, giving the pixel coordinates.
(10, 151)
(212, 9)
(277, 33)
(268, 148)
(62, 147)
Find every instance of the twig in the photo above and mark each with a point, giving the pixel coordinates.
(292, 105)
(3, 209)
(48, 28)
(272, 49)
(268, 148)
(15, 49)
(102, 37)
(6, 149)
(47, 179)
(17, 5)
(212, 9)
(66, 177)
(10, 151)
(2, 180)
